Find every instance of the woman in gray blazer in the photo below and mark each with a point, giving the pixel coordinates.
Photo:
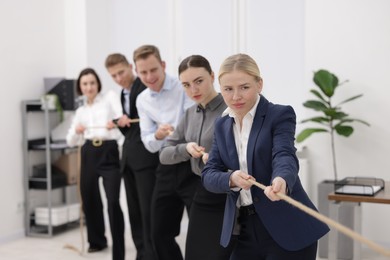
(192, 140)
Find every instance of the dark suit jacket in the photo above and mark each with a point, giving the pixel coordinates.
(134, 151)
(270, 153)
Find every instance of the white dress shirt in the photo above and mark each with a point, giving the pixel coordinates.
(241, 137)
(126, 105)
(95, 117)
(164, 107)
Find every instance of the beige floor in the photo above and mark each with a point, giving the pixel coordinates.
(54, 248)
(32, 248)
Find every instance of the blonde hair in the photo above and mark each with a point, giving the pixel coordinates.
(241, 62)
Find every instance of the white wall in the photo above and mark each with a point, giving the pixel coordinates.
(351, 38)
(275, 38)
(31, 47)
(40, 38)
(288, 39)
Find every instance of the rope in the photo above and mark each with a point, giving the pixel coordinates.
(133, 120)
(347, 231)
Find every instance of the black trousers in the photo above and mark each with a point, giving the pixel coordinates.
(139, 184)
(174, 190)
(254, 242)
(102, 161)
(205, 226)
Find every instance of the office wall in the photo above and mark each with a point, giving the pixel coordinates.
(289, 40)
(39, 38)
(31, 47)
(352, 39)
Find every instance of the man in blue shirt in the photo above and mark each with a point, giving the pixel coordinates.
(160, 108)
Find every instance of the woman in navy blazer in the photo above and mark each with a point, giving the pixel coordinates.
(254, 140)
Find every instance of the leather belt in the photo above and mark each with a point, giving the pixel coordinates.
(97, 142)
(247, 210)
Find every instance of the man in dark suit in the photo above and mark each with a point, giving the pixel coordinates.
(254, 140)
(138, 165)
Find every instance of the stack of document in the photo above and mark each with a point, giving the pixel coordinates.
(359, 186)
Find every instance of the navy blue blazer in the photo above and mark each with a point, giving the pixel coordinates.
(270, 153)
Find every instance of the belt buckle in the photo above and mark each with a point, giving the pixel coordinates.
(97, 142)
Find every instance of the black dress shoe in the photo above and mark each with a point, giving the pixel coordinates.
(93, 249)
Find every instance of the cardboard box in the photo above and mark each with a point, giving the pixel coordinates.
(69, 164)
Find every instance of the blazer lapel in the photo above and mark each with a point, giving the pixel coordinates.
(255, 131)
(232, 151)
(123, 102)
(133, 97)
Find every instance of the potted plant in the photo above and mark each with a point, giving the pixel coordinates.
(332, 120)
(51, 102)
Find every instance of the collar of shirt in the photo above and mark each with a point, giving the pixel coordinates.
(212, 105)
(252, 112)
(166, 86)
(126, 91)
(98, 98)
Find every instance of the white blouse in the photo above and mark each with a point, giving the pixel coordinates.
(241, 138)
(94, 118)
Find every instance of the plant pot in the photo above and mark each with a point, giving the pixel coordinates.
(346, 218)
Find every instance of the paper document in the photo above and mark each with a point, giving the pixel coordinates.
(359, 189)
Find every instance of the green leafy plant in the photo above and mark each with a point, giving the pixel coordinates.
(332, 119)
(52, 101)
(59, 109)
